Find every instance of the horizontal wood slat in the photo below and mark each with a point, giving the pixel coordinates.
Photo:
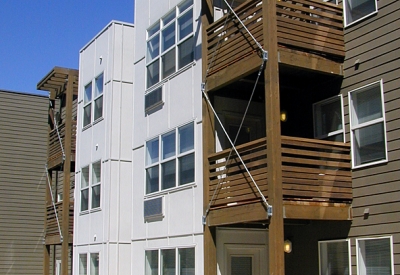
(304, 25)
(312, 170)
(55, 156)
(51, 222)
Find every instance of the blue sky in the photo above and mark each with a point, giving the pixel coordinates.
(37, 35)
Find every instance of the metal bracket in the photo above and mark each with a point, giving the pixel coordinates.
(265, 55)
(269, 210)
(203, 86)
(203, 220)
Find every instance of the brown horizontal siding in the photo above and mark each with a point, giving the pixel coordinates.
(23, 124)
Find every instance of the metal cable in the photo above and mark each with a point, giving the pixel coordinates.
(234, 142)
(52, 201)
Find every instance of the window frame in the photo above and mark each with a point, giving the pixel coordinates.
(317, 112)
(345, 7)
(157, 161)
(89, 256)
(91, 185)
(358, 251)
(95, 96)
(177, 262)
(333, 241)
(159, 103)
(156, 33)
(375, 121)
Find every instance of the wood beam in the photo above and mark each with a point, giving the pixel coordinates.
(232, 73)
(309, 61)
(237, 214)
(274, 163)
(317, 211)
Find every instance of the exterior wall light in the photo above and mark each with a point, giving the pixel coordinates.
(287, 246)
(283, 116)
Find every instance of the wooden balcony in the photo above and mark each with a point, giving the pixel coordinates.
(52, 229)
(310, 34)
(316, 181)
(55, 153)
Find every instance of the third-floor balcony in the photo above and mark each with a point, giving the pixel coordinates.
(310, 35)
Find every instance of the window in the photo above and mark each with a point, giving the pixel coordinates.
(356, 10)
(173, 261)
(334, 257)
(97, 101)
(374, 256)
(328, 119)
(170, 43)
(90, 186)
(153, 99)
(367, 125)
(170, 159)
(93, 268)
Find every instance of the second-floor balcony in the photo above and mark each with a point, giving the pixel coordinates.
(54, 222)
(55, 147)
(305, 28)
(316, 175)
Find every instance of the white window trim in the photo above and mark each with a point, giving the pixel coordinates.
(90, 187)
(88, 261)
(362, 125)
(374, 238)
(337, 132)
(333, 241)
(177, 155)
(175, 46)
(176, 248)
(346, 24)
(92, 83)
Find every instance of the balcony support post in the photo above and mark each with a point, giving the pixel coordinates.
(210, 249)
(67, 174)
(46, 248)
(274, 163)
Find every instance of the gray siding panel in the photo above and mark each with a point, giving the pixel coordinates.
(23, 151)
(375, 42)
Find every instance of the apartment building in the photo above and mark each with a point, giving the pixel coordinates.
(252, 138)
(103, 169)
(59, 177)
(167, 235)
(371, 91)
(23, 124)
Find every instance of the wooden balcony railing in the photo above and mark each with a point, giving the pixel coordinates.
(55, 155)
(306, 25)
(52, 229)
(312, 170)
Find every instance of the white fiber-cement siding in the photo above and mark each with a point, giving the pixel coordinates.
(106, 230)
(181, 225)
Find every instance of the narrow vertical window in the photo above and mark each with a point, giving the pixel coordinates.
(374, 256)
(334, 257)
(151, 267)
(94, 264)
(98, 97)
(328, 119)
(186, 261)
(87, 108)
(83, 264)
(85, 189)
(96, 187)
(367, 124)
